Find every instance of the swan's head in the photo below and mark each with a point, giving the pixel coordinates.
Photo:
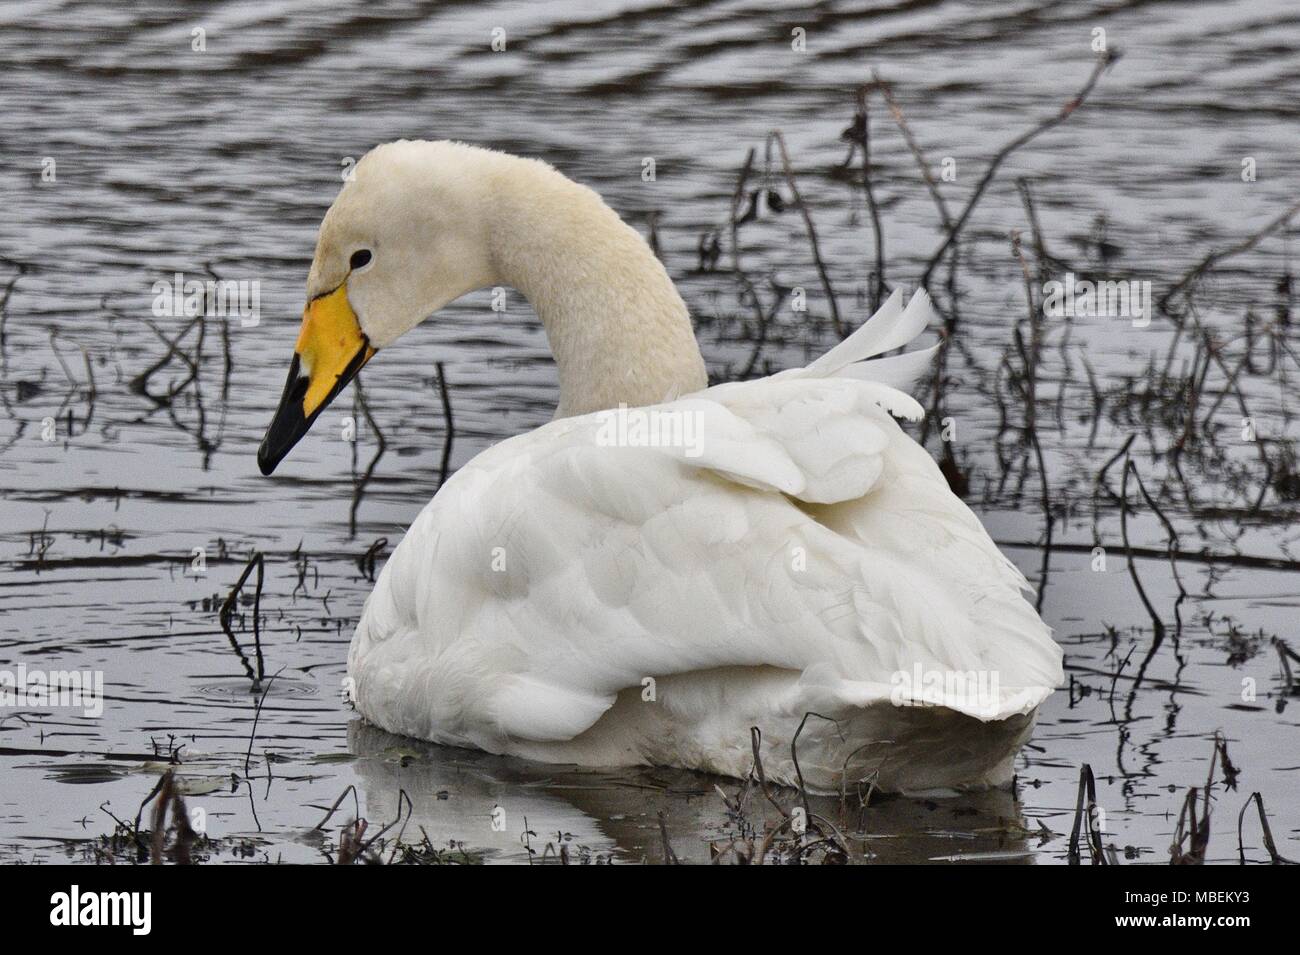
(407, 234)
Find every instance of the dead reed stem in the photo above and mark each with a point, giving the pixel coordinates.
(1156, 623)
(1269, 845)
(1088, 788)
(256, 561)
(776, 137)
(1214, 258)
(1066, 111)
(448, 423)
(897, 112)
(860, 134)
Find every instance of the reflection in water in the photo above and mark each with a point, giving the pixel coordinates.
(359, 483)
(614, 814)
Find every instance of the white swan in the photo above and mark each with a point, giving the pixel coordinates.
(577, 595)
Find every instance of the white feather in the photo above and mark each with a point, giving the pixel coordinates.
(891, 327)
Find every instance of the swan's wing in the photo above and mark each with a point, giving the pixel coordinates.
(559, 567)
(554, 571)
(816, 440)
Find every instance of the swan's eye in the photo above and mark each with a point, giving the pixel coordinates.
(360, 259)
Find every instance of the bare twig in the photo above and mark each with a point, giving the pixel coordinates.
(670, 857)
(227, 608)
(449, 424)
(1104, 60)
(896, 111)
(1156, 623)
(1214, 258)
(737, 198)
(337, 802)
(794, 757)
(1087, 787)
(1030, 358)
(257, 715)
(1269, 845)
(776, 137)
(859, 133)
(381, 445)
(755, 741)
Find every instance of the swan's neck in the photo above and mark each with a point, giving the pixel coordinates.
(619, 331)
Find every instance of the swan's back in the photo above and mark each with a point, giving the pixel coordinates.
(564, 599)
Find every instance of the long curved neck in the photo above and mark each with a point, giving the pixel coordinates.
(619, 331)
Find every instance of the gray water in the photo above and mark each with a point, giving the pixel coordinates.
(168, 159)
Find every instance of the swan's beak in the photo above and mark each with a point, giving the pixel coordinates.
(331, 349)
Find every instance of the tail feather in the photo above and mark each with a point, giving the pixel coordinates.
(891, 327)
(896, 371)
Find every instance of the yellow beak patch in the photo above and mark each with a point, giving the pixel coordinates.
(328, 346)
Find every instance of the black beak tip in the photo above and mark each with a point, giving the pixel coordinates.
(288, 426)
(266, 462)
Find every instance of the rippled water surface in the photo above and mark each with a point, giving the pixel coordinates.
(222, 161)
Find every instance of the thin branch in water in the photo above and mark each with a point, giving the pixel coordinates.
(448, 423)
(1030, 358)
(1066, 111)
(1189, 556)
(350, 842)
(670, 857)
(1088, 788)
(140, 383)
(1173, 543)
(1044, 258)
(776, 137)
(762, 316)
(257, 715)
(147, 799)
(737, 199)
(755, 742)
(402, 798)
(227, 608)
(1191, 829)
(1214, 258)
(366, 562)
(159, 832)
(859, 134)
(1269, 845)
(381, 445)
(1284, 651)
(1156, 622)
(4, 298)
(897, 112)
(794, 756)
(356, 805)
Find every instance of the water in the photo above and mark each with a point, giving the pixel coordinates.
(167, 159)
